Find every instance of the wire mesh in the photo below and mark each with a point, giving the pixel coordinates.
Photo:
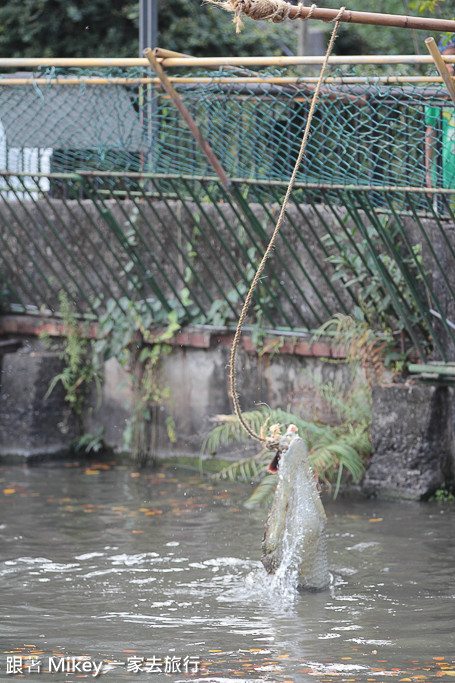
(105, 195)
(367, 132)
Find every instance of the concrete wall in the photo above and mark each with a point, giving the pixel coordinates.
(31, 426)
(413, 441)
(413, 431)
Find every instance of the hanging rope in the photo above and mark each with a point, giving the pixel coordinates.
(272, 443)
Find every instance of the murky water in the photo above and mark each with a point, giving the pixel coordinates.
(113, 566)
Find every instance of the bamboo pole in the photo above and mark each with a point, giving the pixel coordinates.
(296, 61)
(377, 19)
(201, 62)
(223, 80)
(185, 114)
(83, 80)
(441, 67)
(18, 62)
(279, 10)
(161, 52)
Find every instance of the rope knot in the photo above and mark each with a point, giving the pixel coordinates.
(268, 10)
(260, 10)
(272, 444)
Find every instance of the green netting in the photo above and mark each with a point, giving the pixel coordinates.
(105, 195)
(365, 133)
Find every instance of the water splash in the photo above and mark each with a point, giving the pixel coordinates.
(295, 545)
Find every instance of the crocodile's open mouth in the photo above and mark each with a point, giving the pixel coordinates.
(273, 466)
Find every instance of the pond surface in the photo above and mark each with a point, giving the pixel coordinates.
(113, 566)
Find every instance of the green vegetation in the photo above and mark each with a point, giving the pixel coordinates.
(373, 349)
(381, 272)
(128, 332)
(51, 28)
(445, 494)
(359, 39)
(361, 260)
(80, 371)
(74, 28)
(341, 445)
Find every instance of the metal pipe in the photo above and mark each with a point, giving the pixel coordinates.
(148, 24)
(438, 315)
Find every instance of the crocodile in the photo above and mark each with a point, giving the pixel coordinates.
(295, 539)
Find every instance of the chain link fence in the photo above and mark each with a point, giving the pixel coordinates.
(105, 195)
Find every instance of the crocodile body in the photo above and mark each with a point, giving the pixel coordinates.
(295, 538)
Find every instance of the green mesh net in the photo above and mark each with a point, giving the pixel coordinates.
(369, 132)
(105, 195)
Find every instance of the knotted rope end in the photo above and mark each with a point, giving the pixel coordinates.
(259, 10)
(230, 6)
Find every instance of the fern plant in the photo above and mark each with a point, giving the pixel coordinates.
(362, 343)
(333, 448)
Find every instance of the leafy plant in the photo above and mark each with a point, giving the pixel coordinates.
(137, 333)
(376, 328)
(443, 495)
(221, 312)
(150, 391)
(333, 448)
(362, 343)
(247, 469)
(80, 365)
(263, 494)
(97, 28)
(424, 6)
(363, 39)
(90, 443)
(360, 261)
(132, 332)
